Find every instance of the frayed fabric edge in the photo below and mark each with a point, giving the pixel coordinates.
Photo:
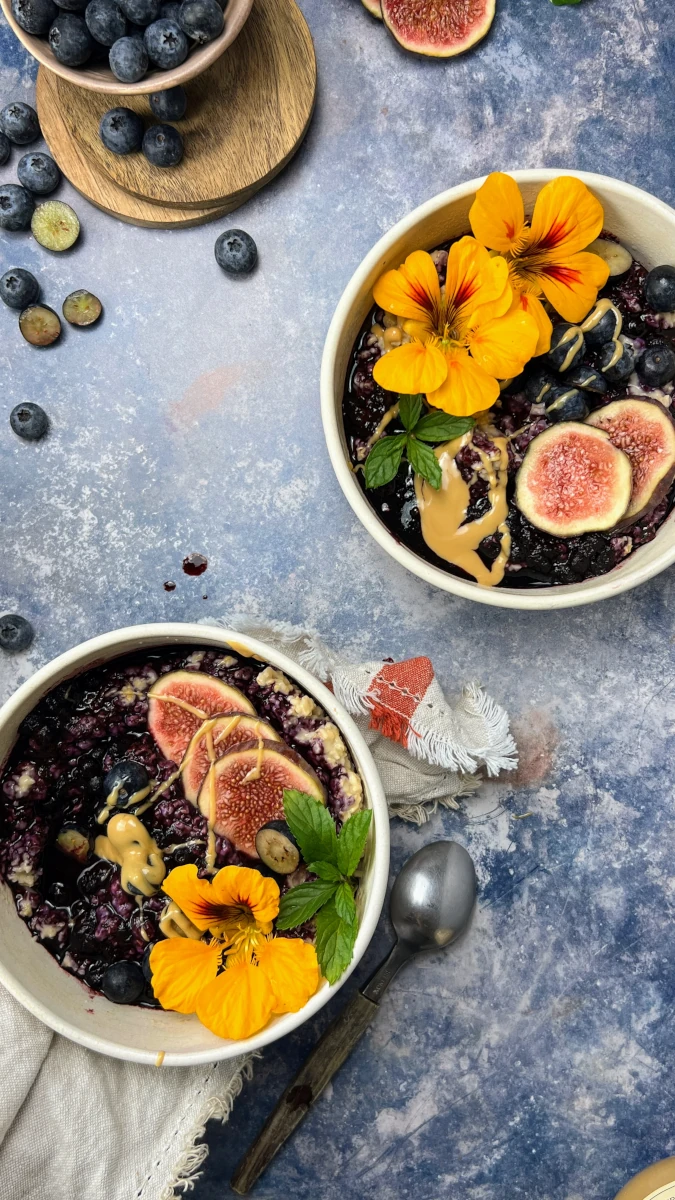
(502, 754)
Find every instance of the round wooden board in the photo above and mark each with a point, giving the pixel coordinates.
(246, 117)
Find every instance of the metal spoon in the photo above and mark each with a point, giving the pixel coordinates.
(431, 902)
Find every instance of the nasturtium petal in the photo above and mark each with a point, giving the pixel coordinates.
(234, 887)
(497, 215)
(502, 347)
(181, 969)
(467, 388)
(534, 307)
(238, 1003)
(194, 896)
(572, 284)
(413, 291)
(411, 368)
(292, 969)
(567, 217)
(472, 279)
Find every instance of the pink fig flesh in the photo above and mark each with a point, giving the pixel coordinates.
(438, 28)
(645, 431)
(227, 732)
(173, 725)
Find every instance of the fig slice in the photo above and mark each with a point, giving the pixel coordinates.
(248, 786)
(227, 732)
(438, 28)
(645, 431)
(573, 481)
(178, 703)
(374, 8)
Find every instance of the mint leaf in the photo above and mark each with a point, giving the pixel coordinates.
(345, 906)
(439, 427)
(410, 410)
(384, 460)
(559, 3)
(298, 905)
(424, 462)
(325, 871)
(311, 825)
(335, 940)
(352, 840)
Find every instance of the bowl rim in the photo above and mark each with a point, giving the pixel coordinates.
(600, 588)
(123, 641)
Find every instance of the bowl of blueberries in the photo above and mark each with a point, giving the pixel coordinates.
(127, 47)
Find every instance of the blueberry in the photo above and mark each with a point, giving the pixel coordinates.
(565, 404)
(657, 365)
(18, 288)
(170, 10)
(39, 173)
(128, 777)
(128, 59)
(19, 122)
(163, 146)
(166, 44)
(5, 148)
(538, 384)
(236, 252)
(170, 105)
(16, 633)
(588, 380)
(35, 16)
(123, 983)
(70, 40)
(567, 346)
(202, 20)
(141, 12)
(29, 421)
(624, 365)
(606, 329)
(660, 289)
(16, 206)
(121, 130)
(105, 21)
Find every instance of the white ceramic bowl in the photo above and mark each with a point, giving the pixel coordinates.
(644, 224)
(29, 972)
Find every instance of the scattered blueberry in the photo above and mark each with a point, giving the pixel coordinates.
(565, 404)
(19, 122)
(141, 12)
(163, 146)
(29, 421)
(82, 308)
(166, 44)
(236, 252)
(660, 289)
(567, 346)
(622, 368)
(607, 329)
(202, 20)
(40, 325)
(129, 777)
(16, 633)
(16, 206)
(170, 105)
(70, 40)
(657, 365)
(105, 21)
(5, 148)
(587, 379)
(35, 16)
(121, 130)
(123, 983)
(55, 225)
(18, 288)
(39, 173)
(129, 59)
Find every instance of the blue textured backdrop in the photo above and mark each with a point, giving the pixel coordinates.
(537, 1058)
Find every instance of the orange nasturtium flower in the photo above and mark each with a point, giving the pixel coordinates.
(236, 981)
(547, 256)
(464, 337)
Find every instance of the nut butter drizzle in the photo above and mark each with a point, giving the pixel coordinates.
(174, 923)
(573, 338)
(594, 318)
(128, 843)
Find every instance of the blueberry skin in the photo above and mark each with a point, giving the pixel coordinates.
(166, 44)
(16, 206)
(202, 20)
(538, 385)
(559, 351)
(660, 289)
(141, 12)
(565, 404)
(19, 122)
(35, 16)
(39, 173)
(607, 329)
(74, 6)
(105, 21)
(163, 146)
(170, 10)
(128, 59)
(123, 983)
(620, 372)
(236, 252)
(16, 633)
(29, 421)
(18, 288)
(121, 130)
(5, 148)
(129, 776)
(170, 105)
(657, 365)
(145, 962)
(70, 40)
(587, 379)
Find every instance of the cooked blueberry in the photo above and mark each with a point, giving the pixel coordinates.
(163, 146)
(141, 12)
(82, 308)
(16, 206)
(588, 380)
(602, 325)
(660, 289)
(657, 365)
(35, 16)
(123, 983)
(145, 962)
(166, 44)
(39, 173)
(121, 130)
(18, 288)
(567, 347)
(16, 633)
(538, 384)
(170, 105)
(19, 122)
(565, 404)
(70, 40)
(236, 252)
(105, 21)
(125, 779)
(617, 361)
(202, 20)
(128, 59)
(39, 325)
(29, 421)
(5, 148)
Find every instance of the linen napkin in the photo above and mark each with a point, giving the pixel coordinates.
(75, 1125)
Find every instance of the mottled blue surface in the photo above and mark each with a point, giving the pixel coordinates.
(536, 1059)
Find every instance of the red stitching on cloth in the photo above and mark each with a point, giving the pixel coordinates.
(394, 695)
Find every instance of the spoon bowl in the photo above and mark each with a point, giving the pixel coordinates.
(433, 896)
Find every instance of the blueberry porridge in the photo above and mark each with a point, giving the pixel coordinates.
(520, 438)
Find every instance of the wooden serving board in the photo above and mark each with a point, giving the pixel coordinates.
(247, 115)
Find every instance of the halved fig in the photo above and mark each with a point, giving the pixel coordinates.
(180, 701)
(227, 732)
(374, 8)
(573, 481)
(277, 848)
(249, 783)
(438, 28)
(645, 431)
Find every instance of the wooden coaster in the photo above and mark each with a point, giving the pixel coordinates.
(246, 117)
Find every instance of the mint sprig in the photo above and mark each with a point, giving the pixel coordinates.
(421, 427)
(330, 897)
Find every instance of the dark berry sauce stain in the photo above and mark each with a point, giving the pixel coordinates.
(195, 564)
(169, 586)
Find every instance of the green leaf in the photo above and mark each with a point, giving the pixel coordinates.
(345, 906)
(424, 461)
(352, 840)
(334, 942)
(560, 3)
(439, 427)
(410, 410)
(300, 903)
(325, 871)
(311, 825)
(384, 460)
